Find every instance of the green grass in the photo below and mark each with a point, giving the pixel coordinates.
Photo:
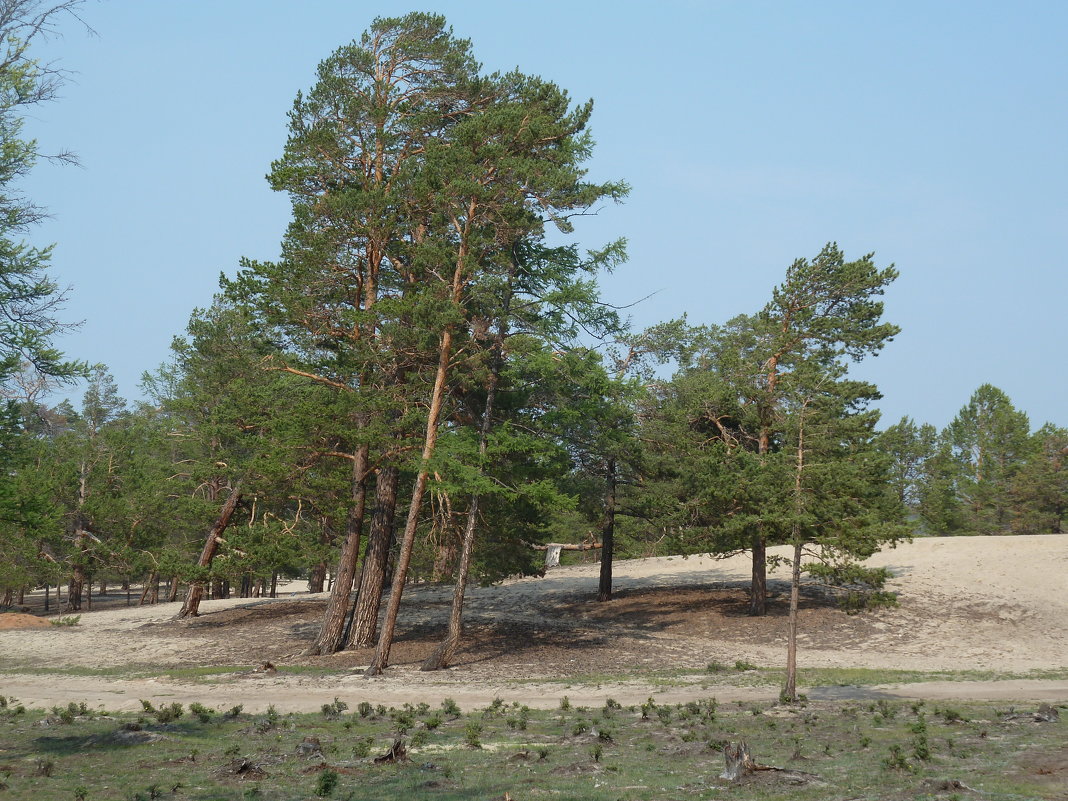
(885, 750)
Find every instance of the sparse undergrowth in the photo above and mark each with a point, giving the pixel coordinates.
(887, 749)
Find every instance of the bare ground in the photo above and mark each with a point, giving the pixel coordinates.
(976, 604)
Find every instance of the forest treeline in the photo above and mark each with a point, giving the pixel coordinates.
(426, 384)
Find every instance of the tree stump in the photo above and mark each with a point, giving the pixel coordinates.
(739, 762)
(398, 752)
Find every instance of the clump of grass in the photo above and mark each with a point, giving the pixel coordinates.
(450, 708)
(565, 704)
(70, 620)
(741, 665)
(234, 711)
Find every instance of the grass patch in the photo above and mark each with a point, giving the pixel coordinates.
(884, 749)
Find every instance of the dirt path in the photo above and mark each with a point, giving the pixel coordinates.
(976, 604)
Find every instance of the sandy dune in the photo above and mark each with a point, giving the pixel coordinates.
(979, 603)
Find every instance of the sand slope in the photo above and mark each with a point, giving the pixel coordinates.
(986, 603)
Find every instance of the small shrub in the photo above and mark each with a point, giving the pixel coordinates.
(450, 708)
(81, 792)
(362, 748)
(565, 704)
(419, 738)
(203, 714)
(334, 709)
(896, 759)
(66, 621)
(579, 727)
(433, 721)
(234, 711)
(364, 709)
(325, 783)
(596, 752)
(403, 721)
(741, 664)
(252, 794)
(473, 734)
(664, 713)
(648, 708)
(169, 714)
(950, 715)
(715, 667)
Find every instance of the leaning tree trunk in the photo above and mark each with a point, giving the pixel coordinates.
(332, 631)
(195, 592)
(441, 657)
(364, 625)
(385, 639)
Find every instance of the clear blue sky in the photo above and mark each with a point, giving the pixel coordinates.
(934, 134)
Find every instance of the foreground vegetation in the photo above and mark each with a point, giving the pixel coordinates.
(862, 750)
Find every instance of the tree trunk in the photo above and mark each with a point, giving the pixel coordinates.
(332, 631)
(172, 593)
(385, 640)
(48, 589)
(373, 576)
(274, 585)
(317, 578)
(790, 691)
(103, 588)
(758, 589)
(193, 596)
(608, 532)
(147, 588)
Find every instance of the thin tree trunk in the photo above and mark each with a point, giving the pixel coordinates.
(274, 585)
(193, 596)
(333, 628)
(385, 640)
(172, 594)
(364, 624)
(791, 648)
(790, 691)
(147, 588)
(47, 590)
(608, 533)
(441, 657)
